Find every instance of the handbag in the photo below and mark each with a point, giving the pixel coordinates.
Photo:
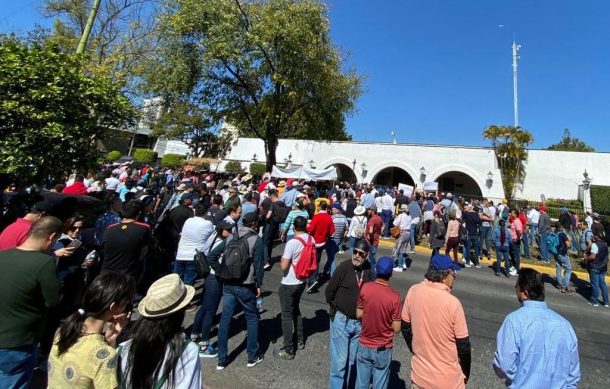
(202, 265)
(395, 232)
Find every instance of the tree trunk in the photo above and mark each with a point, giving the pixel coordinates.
(270, 149)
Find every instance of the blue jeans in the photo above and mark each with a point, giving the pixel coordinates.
(414, 231)
(330, 259)
(332, 247)
(502, 253)
(269, 234)
(525, 245)
(344, 338)
(17, 366)
(544, 247)
(485, 243)
(351, 244)
(187, 270)
(533, 233)
(516, 247)
(563, 262)
(472, 242)
(209, 305)
(246, 297)
(373, 363)
(598, 282)
(373, 261)
(386, 216)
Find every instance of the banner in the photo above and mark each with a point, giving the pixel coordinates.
(431, 186)
(305, 173)
(407, 189)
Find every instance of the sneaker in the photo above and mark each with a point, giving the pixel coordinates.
(411, 251)
(267, 266)
(220, 365)
(478, 266)
(496, 274)
(404, 267)
(595, 304)
(513, 271)
(398, 269)
(606, 305)
(341, 252)
(195, 338)
(283, 354)
(467, 264)
(311, 287)
(301, 345)
(258, 359)
(207, 351)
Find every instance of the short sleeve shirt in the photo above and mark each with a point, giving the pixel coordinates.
(381, 306)
(293, 251)
(89, 363)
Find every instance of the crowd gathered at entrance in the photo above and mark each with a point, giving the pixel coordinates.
(99, 300)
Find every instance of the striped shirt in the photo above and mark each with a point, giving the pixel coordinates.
(289, 222)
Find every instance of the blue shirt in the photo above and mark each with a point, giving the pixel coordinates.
(246, 208)
(537, 348)
(367, 200)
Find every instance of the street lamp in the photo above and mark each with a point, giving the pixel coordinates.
(254, 157)
(587, 181)
(490, 179)
(364, 171)
(422, 174)
(354, 164)
(288, 161)
(312, 164)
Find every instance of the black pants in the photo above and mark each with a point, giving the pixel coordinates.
(290, 297)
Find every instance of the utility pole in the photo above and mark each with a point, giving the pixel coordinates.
(87, 31)
(516, 49)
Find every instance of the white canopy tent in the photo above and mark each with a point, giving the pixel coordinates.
(305, 173)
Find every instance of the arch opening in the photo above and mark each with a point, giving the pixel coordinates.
(459, 183)
(392, 176)
(345, 173)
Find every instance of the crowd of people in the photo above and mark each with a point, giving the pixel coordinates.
(69, 284)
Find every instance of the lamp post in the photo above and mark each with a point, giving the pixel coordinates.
(490, 181)
(288, 161)
(312, 164)
(364, 171)
(254, 158)
(422, 175)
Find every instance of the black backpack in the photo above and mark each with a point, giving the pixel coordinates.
(280, 212)
(236, 260)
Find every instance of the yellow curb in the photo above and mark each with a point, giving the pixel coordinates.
(542, 269)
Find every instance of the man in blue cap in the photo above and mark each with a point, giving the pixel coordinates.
(434, 327)
(379, 309)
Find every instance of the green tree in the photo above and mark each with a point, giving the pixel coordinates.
(510, 146)
(145, 156)
(51, 112)
(234, 167)
(267, 67)
(172, 160)
(113, 155)
(568, 143)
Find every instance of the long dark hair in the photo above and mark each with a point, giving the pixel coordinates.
(151, 339)
(104, 290)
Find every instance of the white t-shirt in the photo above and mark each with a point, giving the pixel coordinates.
(594, 249)
(112, 183)
(356, 221)
(403, 221)
(533, 216)
(188, 367)
(195, 232)
(293, 251)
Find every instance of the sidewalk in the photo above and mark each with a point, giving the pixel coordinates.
(542, 269)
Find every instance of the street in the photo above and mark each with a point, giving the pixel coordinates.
(486, 300)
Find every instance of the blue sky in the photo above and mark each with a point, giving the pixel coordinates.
(439, 71)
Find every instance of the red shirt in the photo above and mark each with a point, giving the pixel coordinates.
(15, 234)
(381, 306)
(377, 224)
(523, 219)
(78, 188)
(321, 227)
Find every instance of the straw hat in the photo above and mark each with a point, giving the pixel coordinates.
(403, 208)
(166, 296)
(360, 210)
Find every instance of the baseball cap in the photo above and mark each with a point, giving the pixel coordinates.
(443, 262)
(385, 265)
(542, 208)
(336, 206)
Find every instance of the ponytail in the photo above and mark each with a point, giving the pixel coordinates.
(70, 331)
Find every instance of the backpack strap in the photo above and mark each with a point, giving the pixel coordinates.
(159, 384)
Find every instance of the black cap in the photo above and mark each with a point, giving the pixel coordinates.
(362, 245)
(223, 225)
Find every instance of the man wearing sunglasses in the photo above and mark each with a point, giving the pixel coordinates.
(434, 327)
(342, 295)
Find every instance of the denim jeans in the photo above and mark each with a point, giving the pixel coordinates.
(516, 248)
(351, 244)
(329, 254)
(375, 364)
(187, 270)
(598, 282)
(485, 243)
(502, 253)
(544, 247)
(269, 233)
(525, 245)
(373, 261)
(332, 248)
(472, 242)
(344, 338)
(209, 305)
(246, 297)
(563, 262)
(386, 216)
(413, 232)
(290, 298)
(533, 233)
(17, 366)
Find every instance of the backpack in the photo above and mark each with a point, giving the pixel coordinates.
(505, 213)
(552, 241)
(280, 212)
(308, 260)
(236, 261)
(359, 229)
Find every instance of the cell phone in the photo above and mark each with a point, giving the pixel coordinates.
(75, 243)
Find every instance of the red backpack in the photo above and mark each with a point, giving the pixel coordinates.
(308, 262)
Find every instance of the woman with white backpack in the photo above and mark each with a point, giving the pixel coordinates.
(357, 227)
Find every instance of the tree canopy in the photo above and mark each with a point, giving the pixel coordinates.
(569, 143)
(267, 67)
(51, 112)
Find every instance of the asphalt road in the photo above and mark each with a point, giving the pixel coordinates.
(486, 300)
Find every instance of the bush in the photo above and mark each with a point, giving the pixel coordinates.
(113, 155)
(600, 199)
(172, 160)
(257, 169)
(145, 156)
(234, 167)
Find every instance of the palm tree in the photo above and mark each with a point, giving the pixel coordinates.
(492, 133)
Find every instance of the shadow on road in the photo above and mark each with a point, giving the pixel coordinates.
(395, 381)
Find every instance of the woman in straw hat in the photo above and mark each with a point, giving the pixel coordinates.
(357, 227)
(158, 356)
(83, 355)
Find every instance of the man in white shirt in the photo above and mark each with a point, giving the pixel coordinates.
(195, 232)
(532, 217)
(291, 290)
(387, 207)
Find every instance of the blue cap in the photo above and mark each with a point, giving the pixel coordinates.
(564, 210)
(385, 265)
(336, 206)
(186, 196)
(443, 262)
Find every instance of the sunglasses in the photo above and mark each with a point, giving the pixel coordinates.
(360, 253)
(74, 228)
